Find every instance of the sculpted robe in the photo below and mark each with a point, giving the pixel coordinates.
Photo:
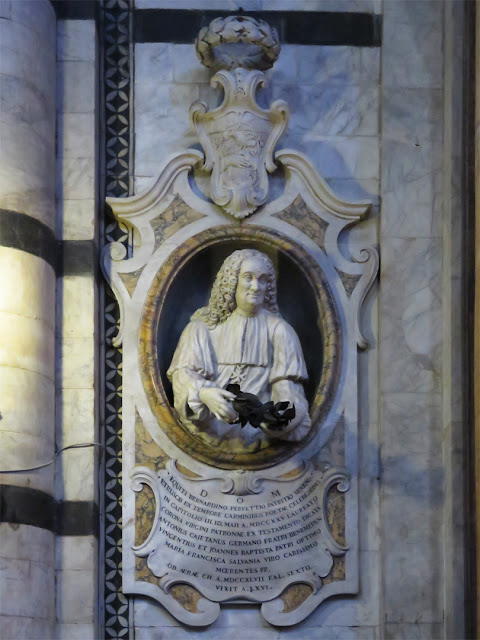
(261, 353)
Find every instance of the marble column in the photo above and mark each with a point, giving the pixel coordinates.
(27, 316)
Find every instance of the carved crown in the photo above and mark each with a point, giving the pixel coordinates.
(238, 41)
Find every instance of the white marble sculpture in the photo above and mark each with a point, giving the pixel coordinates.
(240, 337)
(239, 136)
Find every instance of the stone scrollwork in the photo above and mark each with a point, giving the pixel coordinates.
(239, 138)
(240, 482)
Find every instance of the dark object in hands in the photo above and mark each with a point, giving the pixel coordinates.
(269, 415)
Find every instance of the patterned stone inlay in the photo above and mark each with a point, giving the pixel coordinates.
(295, 595)
(116, 23)
(177, 215)
(349, 281)
(303, 218)
(147, 451)
(130, 280)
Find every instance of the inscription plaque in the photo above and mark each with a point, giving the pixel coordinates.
(239, 546)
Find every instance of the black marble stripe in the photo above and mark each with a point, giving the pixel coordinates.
(69, 258)
(23, 505)
(181, 26)
(78, 258)
(76, 9)
(21, 231)
(77, 519)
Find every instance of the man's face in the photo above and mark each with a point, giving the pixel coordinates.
(252, 285)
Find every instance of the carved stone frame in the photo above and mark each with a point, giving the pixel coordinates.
(307, 214)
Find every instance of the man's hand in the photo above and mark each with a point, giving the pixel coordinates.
(219, 401)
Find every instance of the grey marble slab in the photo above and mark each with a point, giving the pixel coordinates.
(411, 311)
(412, 36)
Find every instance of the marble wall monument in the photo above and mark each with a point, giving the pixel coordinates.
(240, 324)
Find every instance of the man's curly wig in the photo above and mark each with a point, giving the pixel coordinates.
(222, 299)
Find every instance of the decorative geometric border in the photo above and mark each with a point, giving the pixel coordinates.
(116, 21)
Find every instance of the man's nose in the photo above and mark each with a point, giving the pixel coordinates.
(254, 284)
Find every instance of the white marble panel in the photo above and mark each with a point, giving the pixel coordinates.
(162, 127)
(329, 110)
(76, 180)
(37, 15)
(353, 158)
(153, 63)
(351, 189)
(76, 135)
(75, 363)
(76, 596)
(179, 633)
(156, 100)
(412, 50)
(413, 115)
(76, 416)
(27, 286)
(412, 187)
(411, 308)
(414, 590)
(187, 68)
(76, 307)
(76, 86)
(369, 514)
(24, 627)
(76, 474)
(285, 69)
(23, 542)
(76, 40)
(26, 589)
(75, 631)
(76, 553)
(6, 9)
(412, 424)
(330, 633)
(22, 102)
(412, 484)
(414, 631)
(22, 392)
(77, 219)
(26, 343)
(337, 65)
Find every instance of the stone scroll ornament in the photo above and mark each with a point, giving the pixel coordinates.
(239, 137)
(240, 339)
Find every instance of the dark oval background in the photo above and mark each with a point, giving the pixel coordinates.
(191, 290)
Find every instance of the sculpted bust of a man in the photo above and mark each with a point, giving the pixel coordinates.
(241, 338)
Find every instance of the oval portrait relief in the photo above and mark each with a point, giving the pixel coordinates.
(240, 347)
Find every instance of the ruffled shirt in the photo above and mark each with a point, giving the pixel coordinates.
(261, 353)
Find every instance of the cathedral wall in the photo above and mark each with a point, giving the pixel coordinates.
(383, 123)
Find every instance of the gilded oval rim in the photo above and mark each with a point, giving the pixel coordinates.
(148, 355)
